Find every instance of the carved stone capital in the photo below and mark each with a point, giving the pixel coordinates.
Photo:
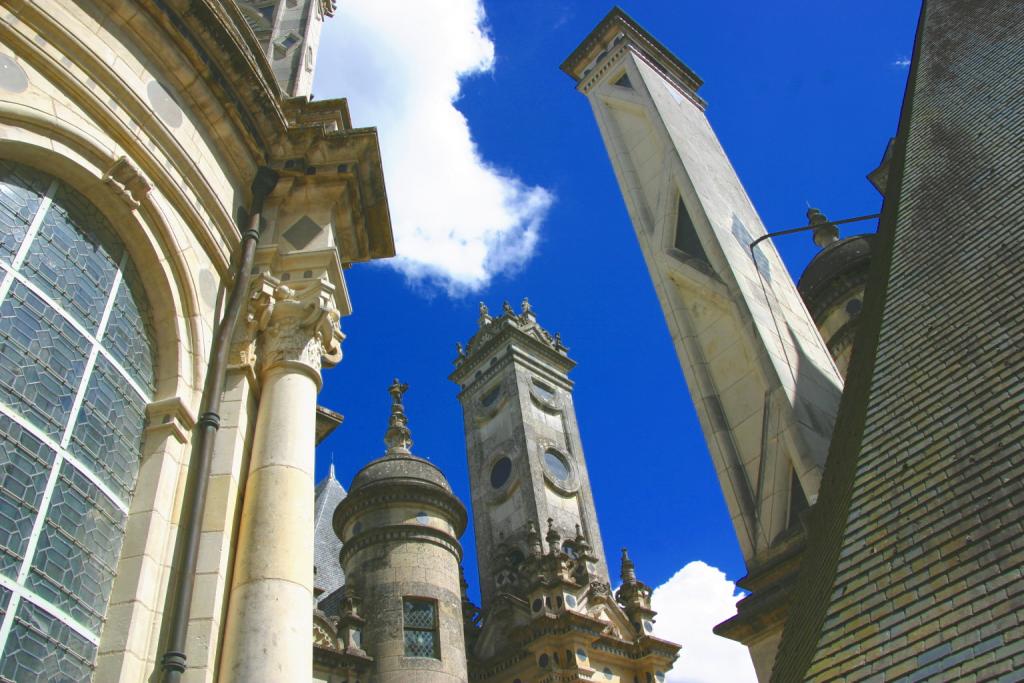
(296, 326)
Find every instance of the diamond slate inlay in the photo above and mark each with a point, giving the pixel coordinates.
(302, 232)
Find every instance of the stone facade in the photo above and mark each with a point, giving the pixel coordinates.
(159, 115)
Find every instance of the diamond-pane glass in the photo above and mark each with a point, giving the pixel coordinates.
(74, 258)
(129, 331)
(107, 434)
(41, 360)
(24, 465)
(420, 644)
(62, 533)
(420, 621)
(75, 561)
(419, 614)
(43, 648)
(21, 192)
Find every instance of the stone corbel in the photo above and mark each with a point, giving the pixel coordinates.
(298, 327)
(170, 415)
(127, 181)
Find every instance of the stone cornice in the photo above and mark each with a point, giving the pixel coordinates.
(619, 30)
(285, 133)
(401, 532)
(392, 492)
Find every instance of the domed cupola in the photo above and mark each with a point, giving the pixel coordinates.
(832, 285)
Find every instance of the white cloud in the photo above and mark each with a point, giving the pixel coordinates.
(689, 605)
(902, 62)
(458, 220)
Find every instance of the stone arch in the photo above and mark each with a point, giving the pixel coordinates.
(173, 298)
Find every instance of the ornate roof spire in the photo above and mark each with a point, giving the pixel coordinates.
(398, 437)
(628, 571)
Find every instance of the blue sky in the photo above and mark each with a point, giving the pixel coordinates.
(508, 193)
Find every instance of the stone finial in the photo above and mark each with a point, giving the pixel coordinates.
(825, 231)
(485, 316)
(533, 539)
(582, 547)
(398, 437)
(553, 537)
(559, 346)
(506, 309)
(526, 308)
(627, 571)
(330, 471)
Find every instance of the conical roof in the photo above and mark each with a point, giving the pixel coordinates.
(326, 544)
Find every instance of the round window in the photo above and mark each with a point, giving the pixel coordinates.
(648, 626)
(570, 600)
(423, 518)
(543, 661)
(500, 472)
(537, 604)
(582, 654)
(556, 465)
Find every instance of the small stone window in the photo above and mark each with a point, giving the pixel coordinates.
(420, 625)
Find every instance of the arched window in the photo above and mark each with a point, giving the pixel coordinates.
(76, 373)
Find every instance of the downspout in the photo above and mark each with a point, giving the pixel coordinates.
(182, 583)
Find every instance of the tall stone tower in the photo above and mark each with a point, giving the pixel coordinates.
(765, 388)
(523, 443)
(289, 33)
(543, 576)
(400, 526)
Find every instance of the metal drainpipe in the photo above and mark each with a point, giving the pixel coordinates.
(183, 580)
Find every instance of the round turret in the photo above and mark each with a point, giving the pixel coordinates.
(400, 526)
(832, 286)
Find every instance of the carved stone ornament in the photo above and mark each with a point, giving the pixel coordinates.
(297, 327)
(126, 179)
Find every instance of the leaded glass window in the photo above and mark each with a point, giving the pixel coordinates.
(420, 625)
(76, 373)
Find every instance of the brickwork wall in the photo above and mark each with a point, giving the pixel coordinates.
(914, 563)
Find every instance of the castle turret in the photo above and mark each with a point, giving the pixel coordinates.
(833, 284)
(400, 525)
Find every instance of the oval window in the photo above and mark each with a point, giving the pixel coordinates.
(500, 472)
(556, 465)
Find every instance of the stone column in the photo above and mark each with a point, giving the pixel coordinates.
(268, 634)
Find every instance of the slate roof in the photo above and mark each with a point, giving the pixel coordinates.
(914, 562)
(326, 545)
